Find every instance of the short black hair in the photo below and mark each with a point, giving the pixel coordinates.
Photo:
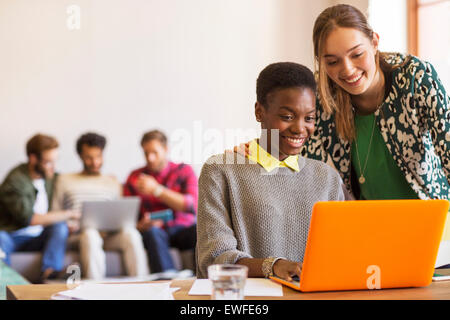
(283, 75)
(92, 140)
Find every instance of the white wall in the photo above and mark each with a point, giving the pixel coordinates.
(389, 19)
(360, 4)
(434, 39)
(181, 66)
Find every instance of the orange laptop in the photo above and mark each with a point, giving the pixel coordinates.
(376, 244)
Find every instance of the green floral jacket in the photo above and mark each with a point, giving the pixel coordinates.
(414, 121)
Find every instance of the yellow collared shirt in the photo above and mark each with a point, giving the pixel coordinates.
(269, 162)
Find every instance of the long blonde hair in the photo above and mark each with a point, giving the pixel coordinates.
(333, 98)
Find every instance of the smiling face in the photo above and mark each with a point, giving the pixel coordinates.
(349, 60)
(292, 111)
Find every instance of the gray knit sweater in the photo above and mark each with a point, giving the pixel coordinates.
(245, 212)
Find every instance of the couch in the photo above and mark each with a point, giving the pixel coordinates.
(28, 263)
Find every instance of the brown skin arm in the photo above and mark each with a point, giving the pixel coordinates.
(242, 149)
(282, 268)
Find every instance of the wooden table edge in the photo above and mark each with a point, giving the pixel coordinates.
(435, 291)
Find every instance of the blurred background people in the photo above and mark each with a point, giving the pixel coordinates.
(91, 185)
(26, 217)
(164, 185)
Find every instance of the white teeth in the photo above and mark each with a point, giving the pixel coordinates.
(295, 140)
(354, 79)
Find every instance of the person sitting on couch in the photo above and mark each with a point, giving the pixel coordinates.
(164, 185)
(27, 221)
(90, 184)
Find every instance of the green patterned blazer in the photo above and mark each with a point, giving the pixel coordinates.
(414, 121)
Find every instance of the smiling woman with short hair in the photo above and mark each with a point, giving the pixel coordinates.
(256, 210)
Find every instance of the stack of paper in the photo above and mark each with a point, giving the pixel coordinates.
(122, 291)
(253, 287)
(443, 257)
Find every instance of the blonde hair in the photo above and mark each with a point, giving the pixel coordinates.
(333, 98)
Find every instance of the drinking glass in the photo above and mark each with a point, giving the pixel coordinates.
(228, 281)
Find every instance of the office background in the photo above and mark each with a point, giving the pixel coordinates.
(188, 68)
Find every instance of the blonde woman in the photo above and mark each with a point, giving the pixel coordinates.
(383, 119)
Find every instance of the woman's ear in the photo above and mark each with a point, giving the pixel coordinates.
(259, 111)
(375, 41)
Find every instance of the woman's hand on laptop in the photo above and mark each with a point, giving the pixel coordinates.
(286, 269)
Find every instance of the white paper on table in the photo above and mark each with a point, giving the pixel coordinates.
(253, 287)
(443, 256)
(138, 291)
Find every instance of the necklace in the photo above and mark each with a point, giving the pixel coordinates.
(362, 179)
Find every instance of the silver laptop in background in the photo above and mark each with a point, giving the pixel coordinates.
(110, 215)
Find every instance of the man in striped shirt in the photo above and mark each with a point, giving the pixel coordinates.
(164, 185)
(90, 184)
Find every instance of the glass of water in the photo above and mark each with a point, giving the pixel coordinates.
(228, 281)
